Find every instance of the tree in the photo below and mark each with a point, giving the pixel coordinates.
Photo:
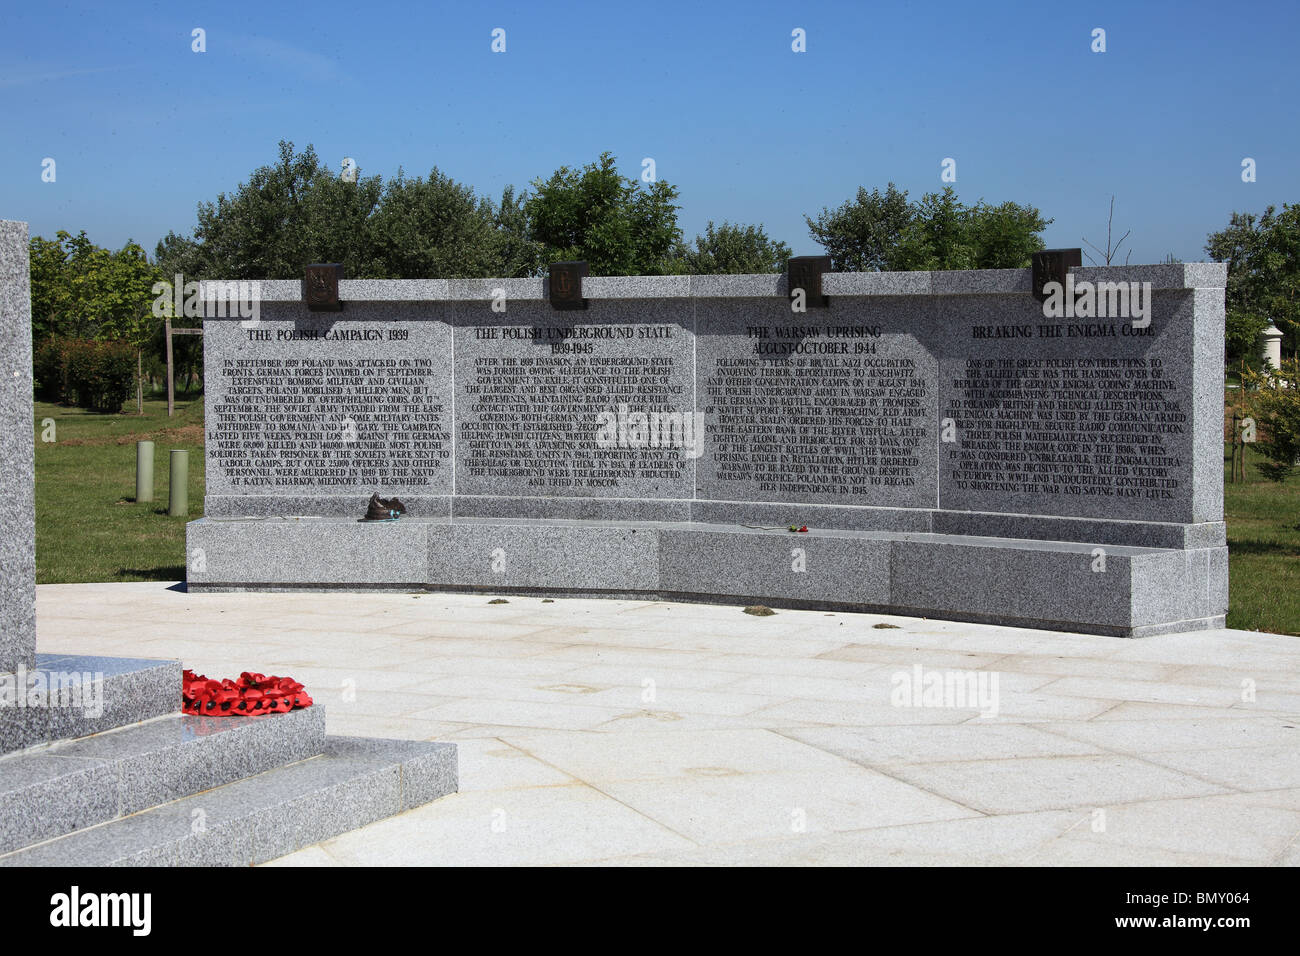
(516, 253)
(885, 231)
(1272, 396)
(1111, 251)
(733, 250)
(433, 228)
(1006, 236)
(126, 304)
(1263, 257)
(65, 273)
(599, 216)
(83, 291)
(937, 237)
(51, 295)
(861, 235)
(286, 216)
(297, 211)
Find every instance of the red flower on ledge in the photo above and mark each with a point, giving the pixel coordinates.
(253, 695)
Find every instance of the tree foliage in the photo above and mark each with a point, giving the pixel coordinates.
(83, 291)
(517, 252)
(733, 249)
(287, 215)
(431, 227)
(887, 232)
(1263, 257)
(861, 235)
(610, 221)
(298, 211)
(1272, 397)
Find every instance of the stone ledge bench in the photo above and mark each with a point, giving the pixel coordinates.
(1014, 581)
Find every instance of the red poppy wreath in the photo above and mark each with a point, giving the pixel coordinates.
(253, 695)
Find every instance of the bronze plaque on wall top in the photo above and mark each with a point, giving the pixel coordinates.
(320, 286)
(566, 285)
(1051, 265)
(805, 272)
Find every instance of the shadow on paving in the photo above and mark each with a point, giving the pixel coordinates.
(175, 572)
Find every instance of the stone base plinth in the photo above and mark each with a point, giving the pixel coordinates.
(1108, 589)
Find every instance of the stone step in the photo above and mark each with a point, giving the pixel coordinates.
(356, 781)
(80, 783)
(66, 696)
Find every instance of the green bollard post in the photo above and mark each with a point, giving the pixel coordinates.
(178, 491)
(144, 471)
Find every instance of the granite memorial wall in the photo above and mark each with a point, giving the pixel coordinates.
(954, 447)
(17, 458)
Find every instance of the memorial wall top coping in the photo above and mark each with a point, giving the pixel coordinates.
(1190, 275)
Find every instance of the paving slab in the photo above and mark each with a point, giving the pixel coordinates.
(628, 732)
(1052, 783)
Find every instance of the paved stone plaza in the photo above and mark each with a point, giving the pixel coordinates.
(604, 731)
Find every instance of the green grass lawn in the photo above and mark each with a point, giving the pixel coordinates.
(1263, 520)
(89, 526)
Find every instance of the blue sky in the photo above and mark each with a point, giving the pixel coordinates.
(142, 128)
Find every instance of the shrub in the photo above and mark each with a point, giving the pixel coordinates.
(50, 369)
(99, 376)
(1273, 398)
